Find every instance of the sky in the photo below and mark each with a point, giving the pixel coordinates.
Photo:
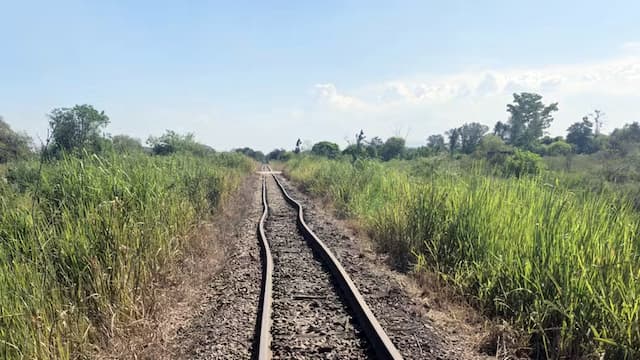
(265, 73)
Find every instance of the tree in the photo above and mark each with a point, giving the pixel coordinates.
(454, 139)
(394, 147)
(374, 146)
(580, 135)
(172, 142)
(278, 155)
(13, 145)
(436, 144)
(528, 119)
(256, 155)
(626, 139)
(298, 146)
(356, 150)
(326, 149)
(597, 116)
(77, 128)
(560, 147)
(126, 144)
(470, 136)
(501, 130)
(523, 163)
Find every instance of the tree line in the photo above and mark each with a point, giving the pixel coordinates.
(524, 132)
(81, 129)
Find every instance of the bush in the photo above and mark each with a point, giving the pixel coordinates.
(523, 163)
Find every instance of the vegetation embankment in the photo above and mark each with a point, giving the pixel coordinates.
(562, 265)
(87, 226)
(542, 231)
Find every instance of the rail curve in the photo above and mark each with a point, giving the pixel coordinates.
(375, 335)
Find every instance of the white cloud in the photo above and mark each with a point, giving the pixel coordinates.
(327, 93)
(429, 104)
(616, 76)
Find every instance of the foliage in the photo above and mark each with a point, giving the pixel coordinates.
(581, 136)
(79, 252)
(326, 149)
(126, 144)
(256, 155)
(625, 140)
(436, 144)
(493, 149)
(393, 148)
(374, 147)
(75, 129)
(278, 155)
(560, 263)
(522, 163)
(171, 142)
(470, 136)
(528, 119)
(13, 145)
(560, 147)
(453, 135)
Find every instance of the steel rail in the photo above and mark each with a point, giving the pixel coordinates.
(381, 345)
(264, 325)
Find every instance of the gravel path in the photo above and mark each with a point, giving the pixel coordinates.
(309, 319)
(402, 317)
(225, 325)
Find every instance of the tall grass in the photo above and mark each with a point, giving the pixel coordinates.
(81, 241)
(562, 264)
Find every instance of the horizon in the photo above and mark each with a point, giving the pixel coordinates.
(266, 76)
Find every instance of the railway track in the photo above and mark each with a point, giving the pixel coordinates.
(309, 306)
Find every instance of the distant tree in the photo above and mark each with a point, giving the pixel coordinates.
(326, 149)
(256, 155)
(126, 144)
(493, 148)
(528, 119)
(77, 128)
(490, 144)
(357, 150)
(522, 163)
(560, 147)
(374, 146)
(172, 142)
(470, 136)
(453, 136)
(394, 147)
(436, 144)
(278, 155)
(501, 130)
(546, 140)
(580, 135)
(625, 140)
(597, 116)
(298, 146)
(13, 145)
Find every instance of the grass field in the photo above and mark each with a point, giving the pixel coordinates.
(82, 238)
(561, 264)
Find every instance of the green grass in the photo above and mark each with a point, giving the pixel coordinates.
(563, 265)
(80, 246)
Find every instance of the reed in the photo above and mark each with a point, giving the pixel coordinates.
(561, 264)
(82, 239)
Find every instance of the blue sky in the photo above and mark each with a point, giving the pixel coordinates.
(262, 74)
